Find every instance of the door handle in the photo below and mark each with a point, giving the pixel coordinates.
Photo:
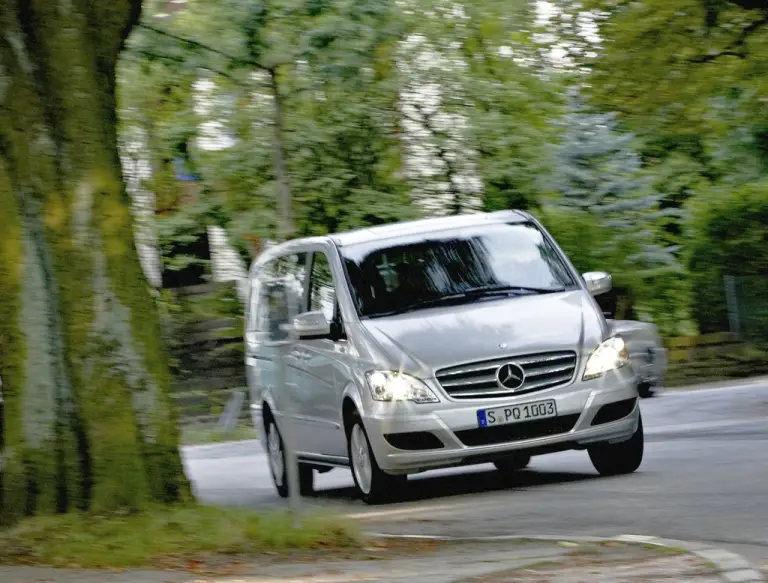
(301, 354)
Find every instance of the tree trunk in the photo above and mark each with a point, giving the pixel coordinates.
(88, 422)
(285, 225)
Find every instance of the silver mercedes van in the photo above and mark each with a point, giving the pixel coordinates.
(442, 342)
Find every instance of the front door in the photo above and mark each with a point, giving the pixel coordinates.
(320, 370)
(278, 295)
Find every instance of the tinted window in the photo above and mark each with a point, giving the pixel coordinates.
(389, 276)
(322, 295)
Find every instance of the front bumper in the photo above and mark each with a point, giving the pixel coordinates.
(604, 411)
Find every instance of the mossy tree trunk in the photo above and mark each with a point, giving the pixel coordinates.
(88, 422)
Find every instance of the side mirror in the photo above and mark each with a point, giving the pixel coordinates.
(598, 282)
(311, 325)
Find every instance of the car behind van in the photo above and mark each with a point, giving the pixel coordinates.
(431, 344)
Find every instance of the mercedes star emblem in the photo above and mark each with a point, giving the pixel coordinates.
(510, 376)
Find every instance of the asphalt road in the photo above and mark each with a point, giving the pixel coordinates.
(704, 477)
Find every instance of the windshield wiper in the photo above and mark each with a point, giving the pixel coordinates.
(468, 295)
(510, 289)
(423, 304)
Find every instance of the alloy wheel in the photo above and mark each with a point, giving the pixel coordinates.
(361, 458)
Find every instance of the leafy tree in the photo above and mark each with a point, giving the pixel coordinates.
(346, 148)
(328, 67)
(606, 214)
(688, 77)
(597, 172)
(567, 34)
(478, 111)
(513, 105)
(88, 421)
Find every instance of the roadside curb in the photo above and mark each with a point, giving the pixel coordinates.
(732, 568)
(744, 383)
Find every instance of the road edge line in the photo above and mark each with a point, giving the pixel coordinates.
(731, 567)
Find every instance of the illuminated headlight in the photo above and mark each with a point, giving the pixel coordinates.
(610, 355)
(388, 385)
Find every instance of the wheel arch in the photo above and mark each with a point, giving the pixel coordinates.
(351, 405)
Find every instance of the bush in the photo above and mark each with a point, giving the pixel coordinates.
(729, 237)
(586, 244)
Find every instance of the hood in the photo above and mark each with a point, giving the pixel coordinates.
(426, 340)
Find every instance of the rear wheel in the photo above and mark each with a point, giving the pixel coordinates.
(373, 484)
(613, 459)
(513, 464)
(279, 467)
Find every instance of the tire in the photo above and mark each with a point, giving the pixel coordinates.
(306, 479)
(278, 467)
(373, 485)
(646, 390)
(513, 464)
(614, 459)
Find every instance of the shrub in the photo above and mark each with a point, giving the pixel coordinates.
(729, 237)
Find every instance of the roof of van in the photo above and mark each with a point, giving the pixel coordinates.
(406, 228)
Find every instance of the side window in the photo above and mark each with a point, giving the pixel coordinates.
(322, 294)
(258, 317)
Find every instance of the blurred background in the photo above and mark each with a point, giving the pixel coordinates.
(636, 132)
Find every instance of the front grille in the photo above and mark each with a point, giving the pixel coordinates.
(517, 431)
(477, 380)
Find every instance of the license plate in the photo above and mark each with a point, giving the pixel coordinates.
(517, 413)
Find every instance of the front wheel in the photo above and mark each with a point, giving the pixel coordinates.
(613, 459)
(646, 390)
(279, 467)
(373, 484)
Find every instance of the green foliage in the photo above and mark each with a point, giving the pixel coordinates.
(477, 116)
(183, 228)
(667, 61)
(677, 109)
(730, 237)
(581, 238)
(607, 213)
(345, 154)
(689, 78)
(512, 109)
(333, 63)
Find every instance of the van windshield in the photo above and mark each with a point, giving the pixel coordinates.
(453, 267)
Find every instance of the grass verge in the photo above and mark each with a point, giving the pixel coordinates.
(207, 434)
(168, 538)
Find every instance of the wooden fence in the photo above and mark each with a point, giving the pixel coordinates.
(208, 353)
(712, 357)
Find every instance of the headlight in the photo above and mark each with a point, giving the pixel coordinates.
(389, 385)
(610, 355)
